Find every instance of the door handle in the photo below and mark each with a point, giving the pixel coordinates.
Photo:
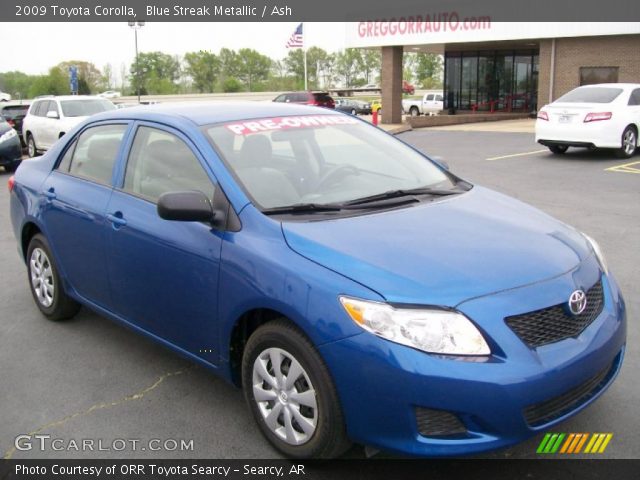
(50, 194)
(116, 219)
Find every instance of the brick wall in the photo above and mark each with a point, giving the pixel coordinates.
(391, 84)
(622, 51)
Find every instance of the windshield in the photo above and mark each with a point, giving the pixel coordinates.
(84, 108)
(319, 159)
(591, 95)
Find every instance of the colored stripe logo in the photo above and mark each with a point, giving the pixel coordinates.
(574, 443)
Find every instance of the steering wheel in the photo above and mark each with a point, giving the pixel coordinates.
(333, 174)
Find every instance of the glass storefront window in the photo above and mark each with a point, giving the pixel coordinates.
(492, 80)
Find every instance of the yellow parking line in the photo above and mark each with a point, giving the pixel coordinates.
(625, 168)
(490, 159)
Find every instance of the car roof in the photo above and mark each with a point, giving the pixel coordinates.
(68, 97)
(614, 85)
(206, 113)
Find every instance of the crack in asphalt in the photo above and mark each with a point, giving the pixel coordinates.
(100, 406)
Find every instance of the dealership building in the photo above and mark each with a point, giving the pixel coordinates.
(501, 66)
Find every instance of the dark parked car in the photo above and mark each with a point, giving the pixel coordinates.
(354, 107)
(318, 99)
(10, 148)
(14, 114)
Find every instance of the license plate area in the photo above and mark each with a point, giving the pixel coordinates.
(564, 119)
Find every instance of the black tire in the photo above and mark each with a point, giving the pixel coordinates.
(12, 167)
(629, 142)
(329, 438)
(414, 112)
(62, 306)
(353, 111)
(32, 149)
(558, 149)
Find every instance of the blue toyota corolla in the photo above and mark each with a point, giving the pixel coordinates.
(355, 289)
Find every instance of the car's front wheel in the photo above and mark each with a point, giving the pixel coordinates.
(32, 150)
(291, 394)
(558, 149)
(629, 143)
(353, 111)
(44, 281)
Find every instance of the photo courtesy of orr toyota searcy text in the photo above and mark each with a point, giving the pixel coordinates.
(163, 471)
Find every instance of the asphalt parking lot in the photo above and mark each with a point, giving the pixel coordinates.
(91, 379)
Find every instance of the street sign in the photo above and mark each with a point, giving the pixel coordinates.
(73, 80)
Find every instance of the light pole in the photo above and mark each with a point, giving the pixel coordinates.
(137, 26)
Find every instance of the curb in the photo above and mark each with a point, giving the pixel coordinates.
(401, 129)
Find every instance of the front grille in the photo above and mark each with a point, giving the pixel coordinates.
(555, 323)
(544, 412)
(438, 423)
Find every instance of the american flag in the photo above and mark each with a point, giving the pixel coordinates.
(295, 41)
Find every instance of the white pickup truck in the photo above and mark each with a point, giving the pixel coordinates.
(431, 103)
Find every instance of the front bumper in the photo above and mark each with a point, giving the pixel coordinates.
(579, 134)
(382, 384)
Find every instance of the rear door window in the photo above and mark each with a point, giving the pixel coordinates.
(39, 107)
(96, 151)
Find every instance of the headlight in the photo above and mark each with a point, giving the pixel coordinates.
(598, 253)
(433, 331)
(9, 134)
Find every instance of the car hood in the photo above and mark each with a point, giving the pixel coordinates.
(443, 252)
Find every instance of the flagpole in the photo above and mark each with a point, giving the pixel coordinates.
(304, 50)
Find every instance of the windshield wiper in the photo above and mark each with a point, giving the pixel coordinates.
(302, 208)
(404, 193)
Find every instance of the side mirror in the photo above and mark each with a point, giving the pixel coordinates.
(52, 114)
(190, 206)
(440, 162)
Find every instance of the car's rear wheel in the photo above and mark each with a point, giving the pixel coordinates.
(12, 167)
(45, 284)
(413, 111)
(353, 111)
(32, 150)
(291, 394)
(558, 149)
(629, 143)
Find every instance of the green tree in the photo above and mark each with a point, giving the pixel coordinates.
(318, 63)
(107, 77)
(16, 83)
(294, 61)
(348, 65)
(229, 63)
(203, 67)
(409, 60)
(428, 69)
(155, 73)
(231, 85)
(54, 83)
(371, 61)
(252, 66)
(87, 72)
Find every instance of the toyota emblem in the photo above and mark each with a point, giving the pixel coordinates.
(577, 302)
